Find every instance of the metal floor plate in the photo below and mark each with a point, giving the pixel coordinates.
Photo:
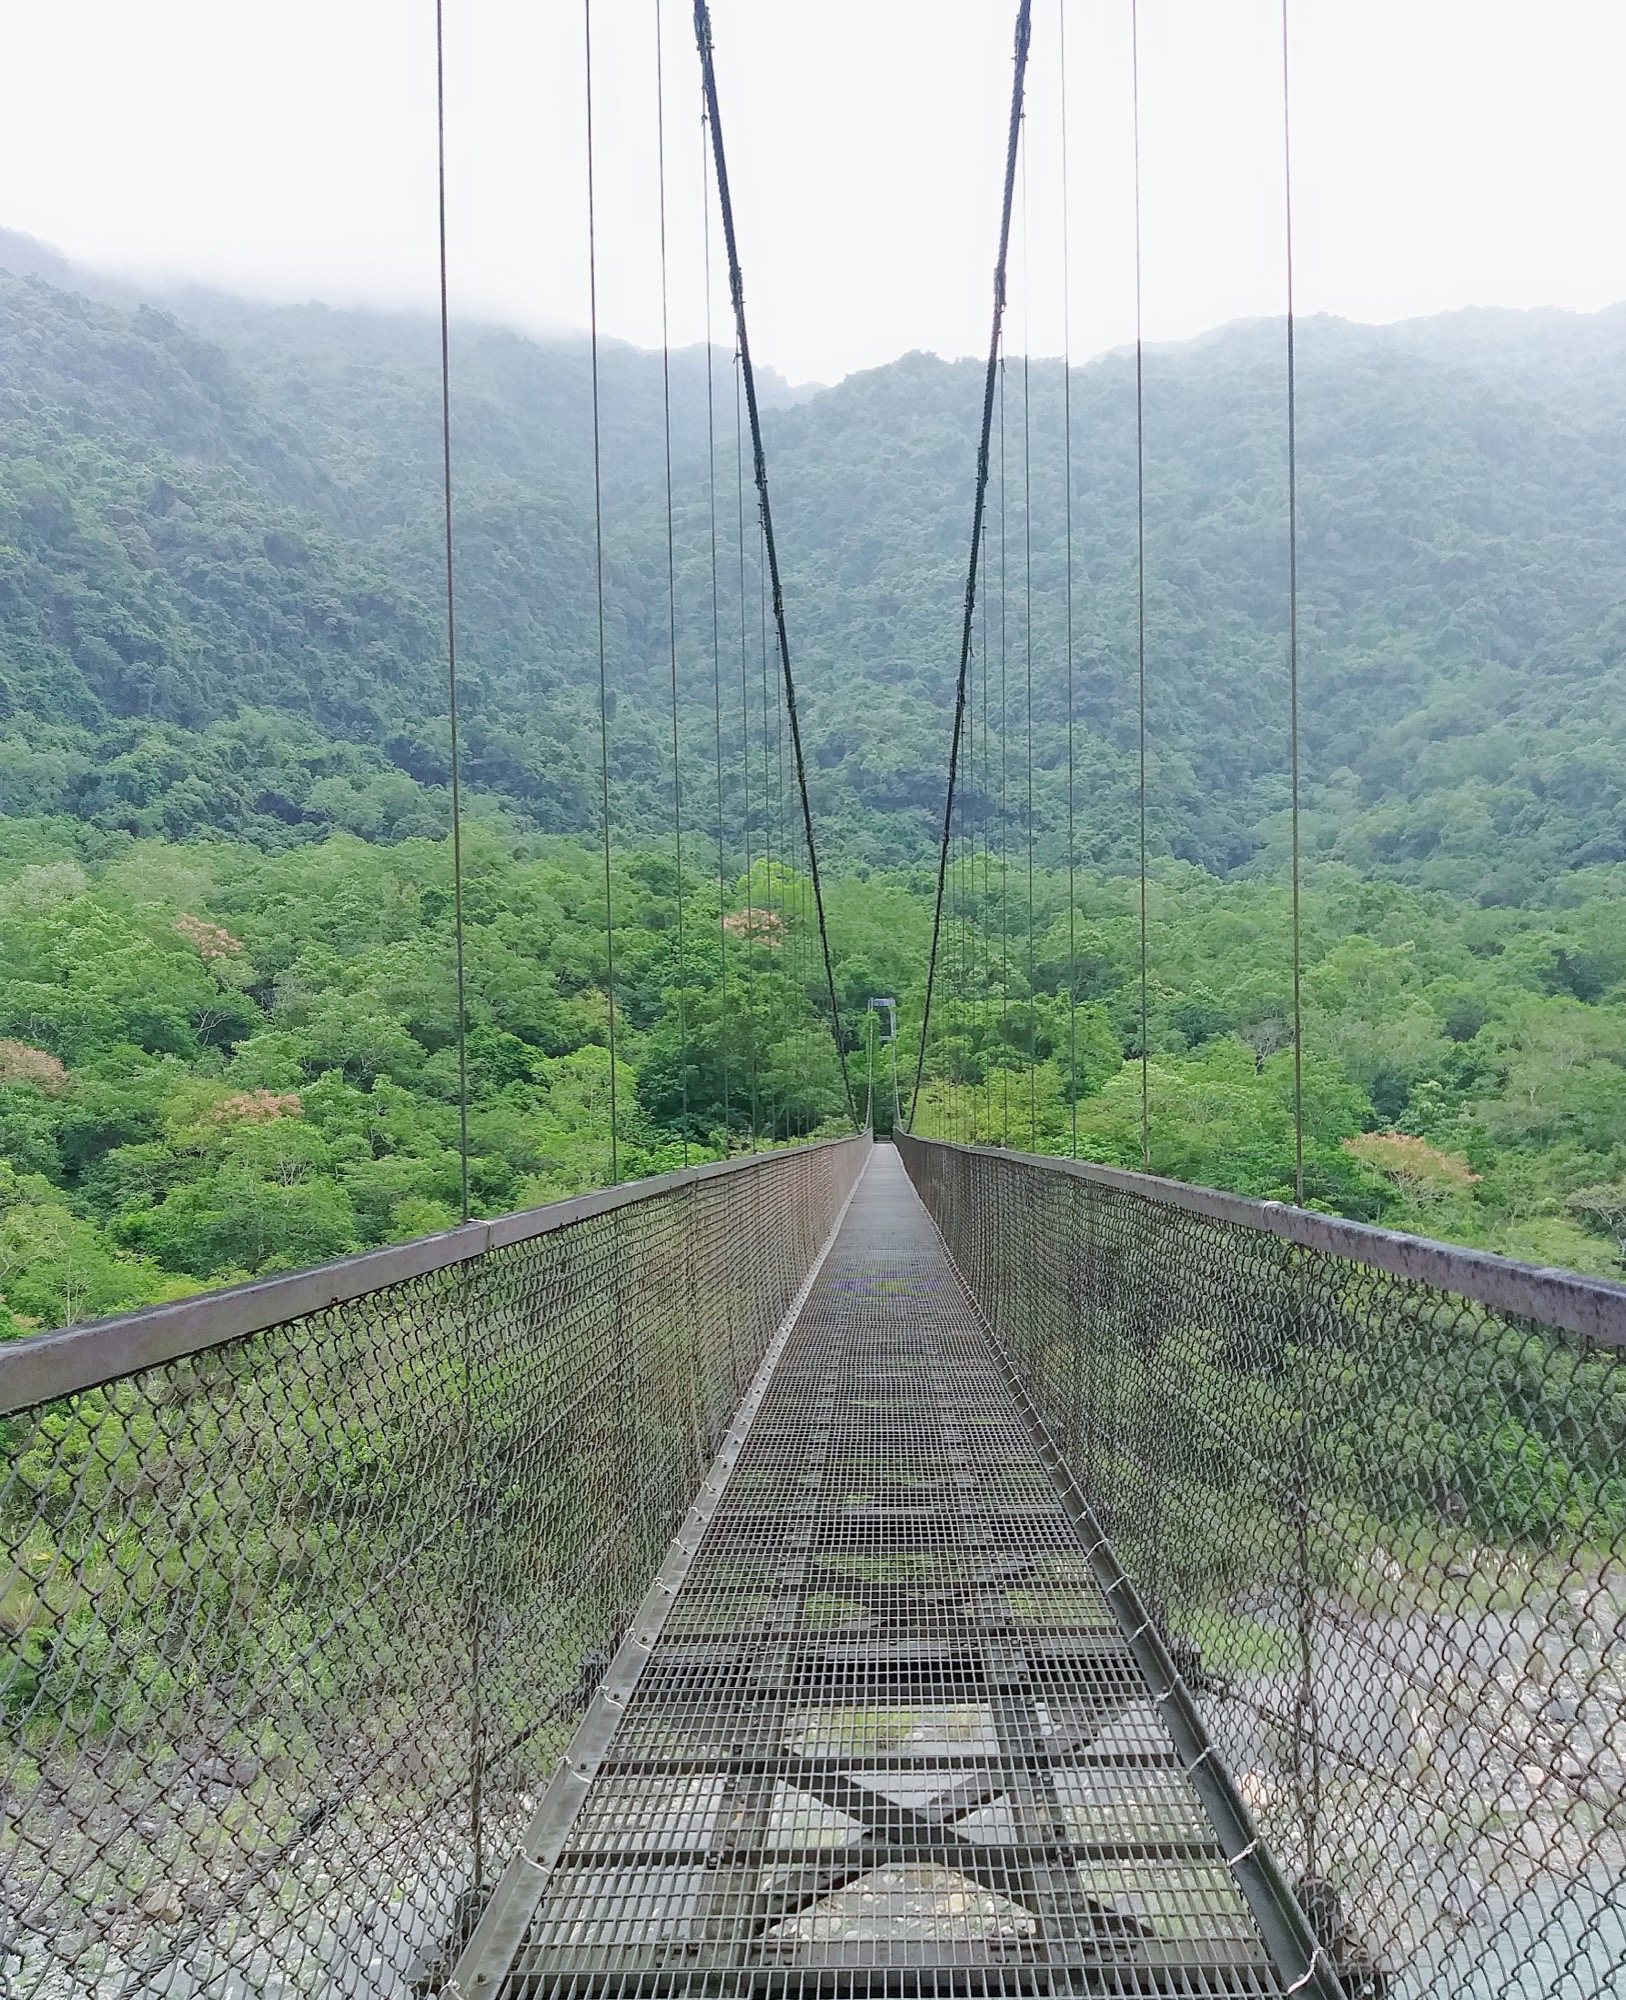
(890, 1740)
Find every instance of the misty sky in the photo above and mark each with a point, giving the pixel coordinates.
(1446, 152)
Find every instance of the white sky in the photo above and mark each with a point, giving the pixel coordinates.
(1447, 152)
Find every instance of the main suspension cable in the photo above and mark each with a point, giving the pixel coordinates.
(1023, 32)
(451, 627)
(702, 29)
(598, 574)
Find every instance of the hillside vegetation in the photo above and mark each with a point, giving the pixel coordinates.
(220, 603)
(216, 1061)
(227, 1027)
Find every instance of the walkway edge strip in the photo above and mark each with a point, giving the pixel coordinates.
(501, 1930)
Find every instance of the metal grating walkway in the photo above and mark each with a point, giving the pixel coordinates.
(888, 1739)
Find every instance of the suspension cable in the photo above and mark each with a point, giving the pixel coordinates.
(702, 28)
(451, 627)
(1027, 640)
(962, 886)
(773, 818)
(987, 879)
(1140, 585)
(1004, 789)
(1293, 623)
(749, 933)
(769, 909)
(968, 866)
(716, 645)
(955, 1100)
(598, 574)
(671, 586)
(1067, 474)
(473, 1599)
(1023, 30)
(787, 934)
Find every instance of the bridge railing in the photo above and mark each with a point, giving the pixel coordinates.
(307, 1583)
(1374, 1492)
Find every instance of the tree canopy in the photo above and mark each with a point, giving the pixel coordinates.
(227, 1015)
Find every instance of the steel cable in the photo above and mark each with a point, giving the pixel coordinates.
(1027, 641)
(716, 646)
(1140, 587)
(1293, 620)
(598, 579)
(769, 911)
(974, 1010)
(1019, 66)
(473, 1604)
(702, 25)
(451, 625)
(1004, 794)
(671, 587)
(966, 887)
(962, 897)
(1067, 475)
(987, 883)
(748, 936)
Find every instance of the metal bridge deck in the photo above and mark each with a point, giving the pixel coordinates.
(889, 1738)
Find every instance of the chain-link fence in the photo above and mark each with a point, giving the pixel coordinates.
(1374, 1491)
(307, 1584)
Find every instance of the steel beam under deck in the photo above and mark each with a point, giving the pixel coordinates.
(886, 1735)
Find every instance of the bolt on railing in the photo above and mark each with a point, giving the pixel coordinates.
(306, 1584)
(1374, 1492)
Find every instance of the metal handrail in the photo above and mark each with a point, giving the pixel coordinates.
(1595, 1308)
(43, 1366)
(1371, 1492)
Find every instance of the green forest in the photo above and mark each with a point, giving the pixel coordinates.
(227, 1006)
(217, 1060)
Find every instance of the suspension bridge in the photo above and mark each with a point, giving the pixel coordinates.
(856, 1567)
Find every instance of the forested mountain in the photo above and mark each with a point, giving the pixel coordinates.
(221, 588)
(227, 1035)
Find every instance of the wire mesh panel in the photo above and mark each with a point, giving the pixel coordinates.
(1374, 1492)
(887, 1736)
(295, 1623)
